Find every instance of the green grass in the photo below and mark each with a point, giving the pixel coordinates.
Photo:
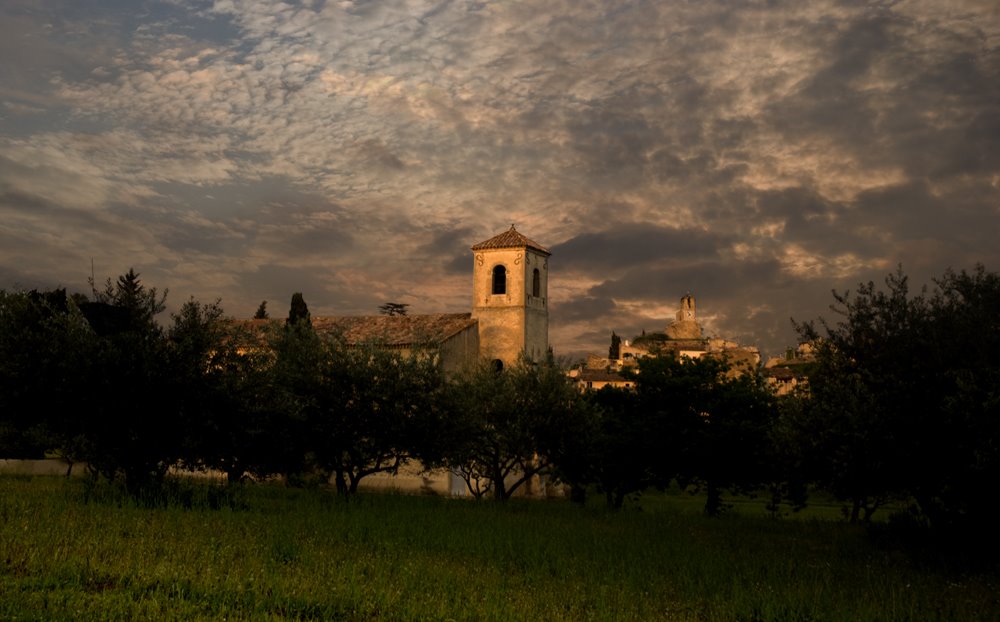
(68, 551)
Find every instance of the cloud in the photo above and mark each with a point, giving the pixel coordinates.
(757, 154)
(631, 244)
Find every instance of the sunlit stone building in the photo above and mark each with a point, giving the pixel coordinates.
(510, 313)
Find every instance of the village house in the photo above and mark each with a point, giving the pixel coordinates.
(790, 373)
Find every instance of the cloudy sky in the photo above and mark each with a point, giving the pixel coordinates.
(754, 153)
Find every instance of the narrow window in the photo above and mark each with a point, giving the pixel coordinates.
(499, 280)
(536, 284)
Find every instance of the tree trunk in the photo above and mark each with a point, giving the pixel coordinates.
(341, 482)
(713, 499)
(499, 486)
(855, 511)
(354, 483)
(234, 474)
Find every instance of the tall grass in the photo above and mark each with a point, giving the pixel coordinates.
(261, 552)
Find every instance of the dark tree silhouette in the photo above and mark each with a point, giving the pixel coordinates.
(903, 397)
(261, 313)
(393, 308)
(298, 311)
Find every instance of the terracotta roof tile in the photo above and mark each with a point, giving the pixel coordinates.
(510, 239)
(395, 330)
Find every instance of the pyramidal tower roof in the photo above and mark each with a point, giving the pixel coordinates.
(510, 239)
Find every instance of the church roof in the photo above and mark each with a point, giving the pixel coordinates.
(395, 330)
(510, 239)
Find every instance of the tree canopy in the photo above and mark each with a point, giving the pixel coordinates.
(903, 400)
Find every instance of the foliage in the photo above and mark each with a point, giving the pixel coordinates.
(393, 308)
(615, 350)
(43, 340)
(261, 313)
(505, 427)
(904, 399)
(299, 310)
(125, 433)
(709, 426)
(616, 451)
(361, 410)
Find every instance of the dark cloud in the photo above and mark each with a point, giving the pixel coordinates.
(315, 238)
(621, 246)
(451, 248)
(276, 284)
(585, 308)
(700, 278)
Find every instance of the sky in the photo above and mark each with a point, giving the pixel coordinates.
(757, 154)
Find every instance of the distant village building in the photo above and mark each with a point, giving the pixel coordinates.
(790, 373)
(587, 379)
(683, 337)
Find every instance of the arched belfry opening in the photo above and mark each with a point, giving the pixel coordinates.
(536, 283)
(499, 280)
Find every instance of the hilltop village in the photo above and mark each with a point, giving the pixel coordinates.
(685, 338)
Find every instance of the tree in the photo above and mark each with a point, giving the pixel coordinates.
(201, 356)
(377, 406)
(352, 410)
(393, 308)
(242, 418)
(962, 443)
(615, 351)
(124, 305)
(44, 340)
(124, 432)
(706, 427)
(298, 384)
(506, 426)
(612, 449)
(298, 311)
(903, 400)
(261, 313)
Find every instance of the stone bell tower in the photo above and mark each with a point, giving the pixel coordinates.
(686, 325)
(510, 279)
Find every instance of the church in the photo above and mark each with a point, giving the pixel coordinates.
(509, 312)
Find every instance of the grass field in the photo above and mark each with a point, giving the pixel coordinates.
(68, 551)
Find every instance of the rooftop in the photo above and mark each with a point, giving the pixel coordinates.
(395, 330)
(510, 239)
